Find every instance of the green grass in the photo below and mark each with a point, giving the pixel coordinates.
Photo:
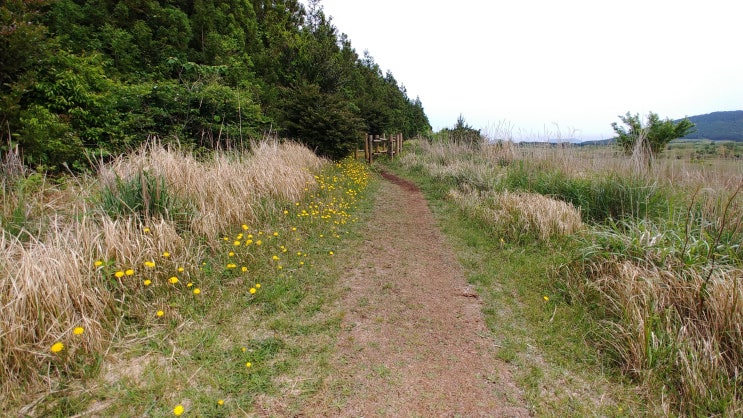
(197, 353)
(545, 342)
(600, 197)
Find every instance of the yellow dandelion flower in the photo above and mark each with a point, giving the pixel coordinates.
(244, 269)
(245, 227)
(147, 282)
(231, 265)
(546, 298)
(331, 253)
(166, 254)
(196, 291)
(275, 258)
(257, 285)
(259, 242)
(119, 274)
(180, 269)
(301, 263)
(286, 212)
(178, 410)
(236, 243)
(146, 230)
(149, 264)
(279, 267)
(248, 364)
(244, 349)
(189, 284)
(173, 280)
(276, 234)
(248, 242)
(98, 263)
(160, 313)
(78, 330)
(294, 228)
(231, 254)
(252, 290)
(220, 402)
(129, 272)
(57, 347)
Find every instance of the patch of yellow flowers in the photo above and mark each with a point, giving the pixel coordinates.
(334, 199)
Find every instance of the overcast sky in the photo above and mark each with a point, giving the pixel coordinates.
(564, 67)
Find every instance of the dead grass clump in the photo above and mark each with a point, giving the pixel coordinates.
(520, 215)
(225, 189)
(502, 152)
(11, 166)
(676, 329)
(458, 163)
(48, 287)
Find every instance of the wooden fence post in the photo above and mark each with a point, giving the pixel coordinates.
(393, 146)
(367, 151)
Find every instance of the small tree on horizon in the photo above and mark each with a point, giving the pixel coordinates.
(645, 141)
(464, 134)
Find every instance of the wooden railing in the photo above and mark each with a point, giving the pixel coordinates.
(375, 145)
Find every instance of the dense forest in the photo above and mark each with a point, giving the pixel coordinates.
(718, 126)
(84, 78)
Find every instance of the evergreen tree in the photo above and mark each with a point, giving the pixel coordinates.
(78, 76)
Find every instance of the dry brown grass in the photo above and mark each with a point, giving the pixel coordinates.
(517, 215)
(48, 281)
(681, 173)
(680, 330)
(227, 188)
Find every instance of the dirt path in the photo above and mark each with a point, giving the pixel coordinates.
(413, 341)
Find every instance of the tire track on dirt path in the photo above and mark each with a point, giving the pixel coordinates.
(413, 340)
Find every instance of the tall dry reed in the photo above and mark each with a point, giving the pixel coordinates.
(679, 330)
(516, 216)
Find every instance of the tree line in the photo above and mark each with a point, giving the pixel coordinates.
(84, 78)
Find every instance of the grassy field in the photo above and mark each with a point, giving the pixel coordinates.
(632, 275)
(168, 282)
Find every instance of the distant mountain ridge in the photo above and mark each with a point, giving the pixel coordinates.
(718, 126)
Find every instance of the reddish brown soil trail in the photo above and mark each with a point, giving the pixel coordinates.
(413, 343)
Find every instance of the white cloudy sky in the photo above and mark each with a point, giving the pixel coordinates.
(536, 66)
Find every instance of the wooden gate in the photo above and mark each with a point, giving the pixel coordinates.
(376, 145)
